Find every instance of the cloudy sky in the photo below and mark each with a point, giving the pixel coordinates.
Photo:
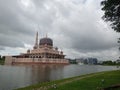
(75, 26)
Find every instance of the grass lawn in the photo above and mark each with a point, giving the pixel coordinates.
(85, 82)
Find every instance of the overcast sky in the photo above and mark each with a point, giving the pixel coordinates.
(75, 26)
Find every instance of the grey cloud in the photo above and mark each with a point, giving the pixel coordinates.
(90, 41)
(14, 27)
(2, 48)
(84, 35)
(10, 41)
(72, 24)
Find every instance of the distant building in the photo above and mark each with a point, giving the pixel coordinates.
(92, 61)
(81, 60)
(118, 61)
(42, 52)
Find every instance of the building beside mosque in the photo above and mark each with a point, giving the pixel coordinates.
(42, 52)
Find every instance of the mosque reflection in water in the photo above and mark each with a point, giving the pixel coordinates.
(45, 72)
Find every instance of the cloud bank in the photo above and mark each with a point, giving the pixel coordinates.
(75, 26)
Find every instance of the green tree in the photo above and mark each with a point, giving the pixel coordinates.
(109, 63)
(0, 57)
(111, 10)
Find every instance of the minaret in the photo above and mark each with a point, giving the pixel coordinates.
(36, 41)
(46, 35)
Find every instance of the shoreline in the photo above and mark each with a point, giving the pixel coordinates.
(64, 82)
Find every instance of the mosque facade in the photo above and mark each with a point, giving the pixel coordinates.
(43, 52)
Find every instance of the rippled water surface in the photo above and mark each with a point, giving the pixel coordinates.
(16, 76)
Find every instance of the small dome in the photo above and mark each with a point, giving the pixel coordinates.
(28, 51)
(56, 48)
(61, 52)
(46, 41)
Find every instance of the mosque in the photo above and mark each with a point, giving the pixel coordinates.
(43, 52)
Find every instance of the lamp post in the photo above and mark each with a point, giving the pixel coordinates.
(119, 45)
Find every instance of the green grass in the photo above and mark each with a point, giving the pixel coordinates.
(84, 82)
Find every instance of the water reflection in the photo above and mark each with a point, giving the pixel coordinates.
(16, 76)
(41, 73)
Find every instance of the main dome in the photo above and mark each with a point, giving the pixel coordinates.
(46, 41)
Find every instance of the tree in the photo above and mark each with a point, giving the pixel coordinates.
(111, 10)
(0, 57)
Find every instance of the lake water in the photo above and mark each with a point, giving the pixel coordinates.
(16, 76)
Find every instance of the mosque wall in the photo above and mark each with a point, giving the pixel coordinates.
(14, 60)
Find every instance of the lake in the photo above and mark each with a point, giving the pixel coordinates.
(16, 76)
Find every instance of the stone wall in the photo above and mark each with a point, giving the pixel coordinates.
(8, 60)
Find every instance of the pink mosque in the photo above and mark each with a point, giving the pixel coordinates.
(43, 52)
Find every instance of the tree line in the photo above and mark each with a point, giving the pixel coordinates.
(110, 63)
